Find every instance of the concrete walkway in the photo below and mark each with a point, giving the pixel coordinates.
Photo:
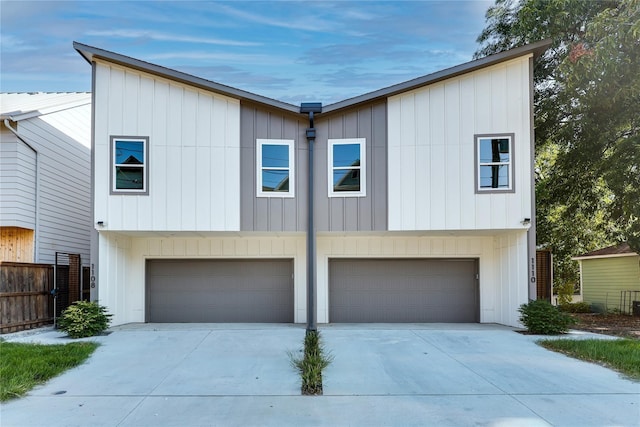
(382, 375)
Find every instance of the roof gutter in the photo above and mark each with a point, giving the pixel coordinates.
(311, 108)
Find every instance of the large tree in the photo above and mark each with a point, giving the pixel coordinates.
(587, 118)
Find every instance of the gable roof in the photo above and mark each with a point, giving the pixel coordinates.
(21, 106)
(90, 53)
(622, 249)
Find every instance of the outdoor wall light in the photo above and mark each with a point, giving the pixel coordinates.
(526, 221)
(100, 223)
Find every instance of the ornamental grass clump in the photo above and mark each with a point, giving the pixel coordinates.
(312, 363)
(84, 319)
(540, 317)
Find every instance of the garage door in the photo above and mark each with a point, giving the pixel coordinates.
(403, 290)
(197, 291)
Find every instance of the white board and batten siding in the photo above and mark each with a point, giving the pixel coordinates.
(500, 265)
(123, 259)
(194, 153)
(431, 151)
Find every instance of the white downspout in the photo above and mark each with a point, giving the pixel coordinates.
(36, 231)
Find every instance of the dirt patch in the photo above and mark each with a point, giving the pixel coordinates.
(619, 325)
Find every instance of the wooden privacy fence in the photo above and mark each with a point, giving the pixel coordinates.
(25, 296)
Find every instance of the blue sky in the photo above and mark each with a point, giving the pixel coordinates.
(323, 51)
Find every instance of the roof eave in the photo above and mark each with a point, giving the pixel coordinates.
(627, 254)
(16, 116)
(535, 48)
(90, 53)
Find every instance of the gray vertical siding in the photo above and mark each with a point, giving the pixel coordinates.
(367, 213)
(271, 213)
(332, 214)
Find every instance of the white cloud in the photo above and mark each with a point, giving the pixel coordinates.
(153, 35)
(305, 19)
(9, 43)
(199, 56)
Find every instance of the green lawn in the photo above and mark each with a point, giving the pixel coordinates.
(23, 366)
(622, 355)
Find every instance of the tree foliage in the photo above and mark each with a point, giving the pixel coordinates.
(587, 118)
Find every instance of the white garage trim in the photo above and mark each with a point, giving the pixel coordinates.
(123, 258)
(503, 273)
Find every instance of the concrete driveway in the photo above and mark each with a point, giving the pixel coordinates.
(395, 375)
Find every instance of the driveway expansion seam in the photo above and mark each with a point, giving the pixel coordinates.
(195, 347)
(144, 397)
(513, 396)
(434, 344)
(504, 393)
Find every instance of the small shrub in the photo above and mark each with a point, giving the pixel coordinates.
(576, 307)
(565, 293)
(84, 319)
(312, 363)
(540, 317)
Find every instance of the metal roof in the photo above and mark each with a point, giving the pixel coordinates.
(25, 105)
(90, 53)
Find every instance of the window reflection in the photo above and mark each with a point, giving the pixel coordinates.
(275, 172)
(346, 155)
(129, 152)
(494, 162)
(275, 180)
(346, 180)
(347, 167)
(275, 156)
(129, 178)
(494, 176)
(494, 150)
(345, 176)
(129, 164)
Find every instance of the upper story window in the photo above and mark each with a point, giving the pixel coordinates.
(129, 165)
(494, 163)
(347, 167)
(275, 168)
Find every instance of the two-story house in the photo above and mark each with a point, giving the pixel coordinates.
(423, 202)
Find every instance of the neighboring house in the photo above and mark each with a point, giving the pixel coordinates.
(45, 171)
(610, 278)
(423, 202)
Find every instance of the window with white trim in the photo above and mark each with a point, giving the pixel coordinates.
(129, 165)
(494, 163)
(275, 168)
(347, 167)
